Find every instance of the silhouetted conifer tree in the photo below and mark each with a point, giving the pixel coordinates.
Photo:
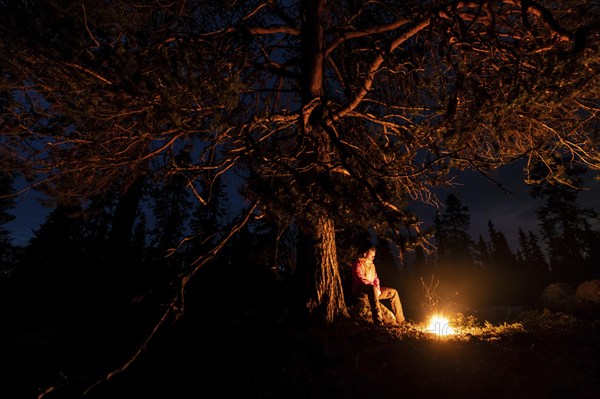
(208, 215)
(524, 249)
(532, 256)
(483, 252)
(55, 253)
(98, 219)
(171, 209)
(98, 215)
(566, 227)
(6, 204)
(533, 268)
(453, 241)
(505, 283)
(140, 236)
(422, 262)
(500, 253)
(130, 194)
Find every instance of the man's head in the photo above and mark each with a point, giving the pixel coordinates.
(369, 253)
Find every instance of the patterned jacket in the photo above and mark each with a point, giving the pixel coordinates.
(364, 274)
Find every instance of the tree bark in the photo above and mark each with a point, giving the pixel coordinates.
(317, 257)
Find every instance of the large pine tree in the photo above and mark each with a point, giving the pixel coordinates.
(340, 109)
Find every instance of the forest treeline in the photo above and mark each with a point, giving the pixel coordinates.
(80, 245)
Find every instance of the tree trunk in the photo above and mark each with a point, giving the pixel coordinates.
(119, 239)
(317, 257)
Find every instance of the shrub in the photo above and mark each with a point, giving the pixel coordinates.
(587, 298)
(558, 297)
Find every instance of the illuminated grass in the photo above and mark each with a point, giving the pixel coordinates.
(458, 328)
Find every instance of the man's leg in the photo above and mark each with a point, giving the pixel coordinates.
(374, 303)
(392, 295)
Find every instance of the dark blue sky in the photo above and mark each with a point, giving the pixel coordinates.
(484, 199)
(30, 214)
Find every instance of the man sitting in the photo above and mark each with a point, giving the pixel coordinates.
(365, 281)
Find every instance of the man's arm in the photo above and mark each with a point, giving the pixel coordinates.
(359, 273)
(376, 281)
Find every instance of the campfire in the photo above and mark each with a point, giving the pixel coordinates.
(440, 326)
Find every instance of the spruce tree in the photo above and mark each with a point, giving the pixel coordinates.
(500, 253)
(171, 209)
(533, 268)
(55, 253)
(208, 215)
(532, 255)
(524, 251)
(565, 226)
(98, 216)
(483, 252)
(6, 204)
(140, 236)
(453, 241)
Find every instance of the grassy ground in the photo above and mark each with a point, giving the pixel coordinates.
(259, 352)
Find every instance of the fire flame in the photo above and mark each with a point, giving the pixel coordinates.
(439, 325)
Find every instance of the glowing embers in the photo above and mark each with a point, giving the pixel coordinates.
(440, 326)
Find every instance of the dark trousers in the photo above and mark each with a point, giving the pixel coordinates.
(386, 293)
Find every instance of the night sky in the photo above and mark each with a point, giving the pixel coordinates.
(485, 201)
(507, 211)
